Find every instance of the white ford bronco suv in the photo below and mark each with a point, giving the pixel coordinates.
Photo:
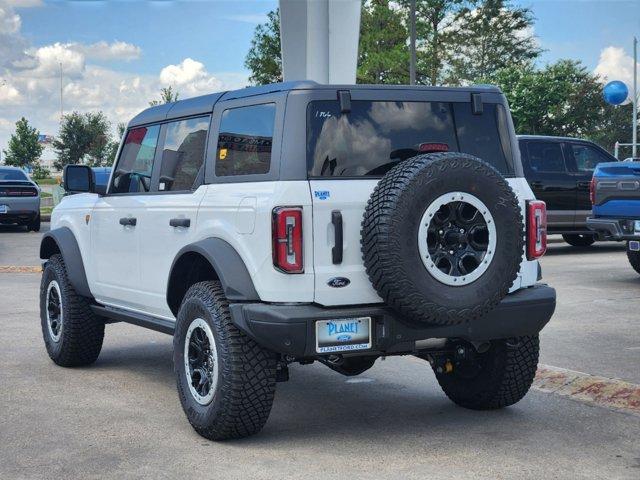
(299, 222)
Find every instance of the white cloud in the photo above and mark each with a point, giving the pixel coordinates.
(191, 77)
(30, 79)
(615, 64)
(24, 3)
(252, 18)
(108, 51)
(9, 95)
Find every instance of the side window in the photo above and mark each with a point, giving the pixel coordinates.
(245, 139)
(546, 157)
(133, 170)
(586, 157)
(183, 154)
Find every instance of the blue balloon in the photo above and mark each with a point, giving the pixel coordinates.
(615, 92)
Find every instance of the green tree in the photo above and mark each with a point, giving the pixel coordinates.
(264, 59)
(489, 37)
(562, 99)
(436, 22)
(23, 150)
(83, 138)
(383, 51)
(383, 57)
(115, 144)
(167, 95)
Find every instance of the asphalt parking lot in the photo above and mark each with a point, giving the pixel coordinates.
(121, 417)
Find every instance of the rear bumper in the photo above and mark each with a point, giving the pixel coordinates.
(20, 210)
(290, 329)
(613, 228)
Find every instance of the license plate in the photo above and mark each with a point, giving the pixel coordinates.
(4, 209)
(634, 246)
(344, 335)
(636, 226)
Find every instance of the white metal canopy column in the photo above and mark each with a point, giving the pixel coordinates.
(320, 40)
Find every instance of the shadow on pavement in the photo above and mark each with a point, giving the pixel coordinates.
(565, 249)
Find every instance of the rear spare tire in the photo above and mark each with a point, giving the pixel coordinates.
(442, 238)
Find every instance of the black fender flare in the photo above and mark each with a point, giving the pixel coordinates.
(64, 241)
(228, 266)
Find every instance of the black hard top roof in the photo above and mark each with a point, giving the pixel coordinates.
(204, 104)
(551, 138)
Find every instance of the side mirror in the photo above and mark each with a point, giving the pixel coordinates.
(78, 179)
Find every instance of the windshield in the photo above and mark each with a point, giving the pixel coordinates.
(11, 174)
(376, 135)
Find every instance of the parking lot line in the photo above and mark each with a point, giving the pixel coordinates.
(20, 269)
(591, 389)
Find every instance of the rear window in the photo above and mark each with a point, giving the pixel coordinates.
(11, 174)
(376, 135)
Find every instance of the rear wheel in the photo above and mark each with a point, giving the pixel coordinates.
(226, 381)
(579, 239)
(634, 258)
(34, 225)
(497, 378)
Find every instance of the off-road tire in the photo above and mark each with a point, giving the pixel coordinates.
(505, 375)
(579, 239)
(634, 259)
(82, 330)
(246, 372)
(390, 231)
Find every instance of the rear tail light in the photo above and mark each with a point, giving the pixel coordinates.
(287, 239)
(592, 190)
(536, 229)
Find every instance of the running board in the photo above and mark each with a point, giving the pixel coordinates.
(119, 315)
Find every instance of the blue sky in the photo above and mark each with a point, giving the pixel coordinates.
(217, 33)
(118, 54)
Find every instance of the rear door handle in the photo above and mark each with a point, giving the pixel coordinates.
(336, 251)
(536, 184)
(180, 222)
(584, 184)
(128, 221)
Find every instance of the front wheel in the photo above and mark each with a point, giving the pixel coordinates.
(579, 239)
(634, 258)
(72, 333)
(497, 378)
(226, 381)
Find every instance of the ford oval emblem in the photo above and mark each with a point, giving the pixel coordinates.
(338, 282)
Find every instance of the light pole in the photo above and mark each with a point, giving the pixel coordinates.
(412, 43)
(635, 98)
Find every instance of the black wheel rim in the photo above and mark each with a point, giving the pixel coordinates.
(200, 361)
(54, 310)
(457, 239)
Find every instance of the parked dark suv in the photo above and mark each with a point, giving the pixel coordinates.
(559, 171)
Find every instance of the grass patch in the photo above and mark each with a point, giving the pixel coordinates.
(47, 181)
(46, 210)
(45, 194)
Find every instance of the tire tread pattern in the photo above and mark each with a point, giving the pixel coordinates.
(504, 381)
(248, 379)
(634, 259)
(380, 247)
(82, 330)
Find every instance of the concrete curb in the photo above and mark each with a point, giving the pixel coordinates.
(20, 269)
(591, 389)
